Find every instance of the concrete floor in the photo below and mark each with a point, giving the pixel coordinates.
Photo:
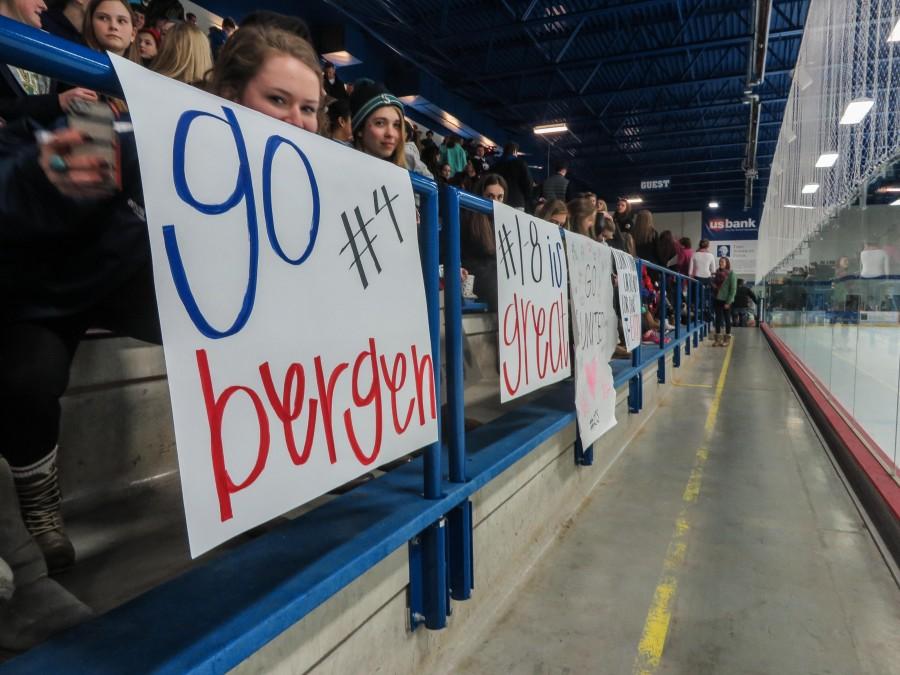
(775, 571)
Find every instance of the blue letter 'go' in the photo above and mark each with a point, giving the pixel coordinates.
(243, 190)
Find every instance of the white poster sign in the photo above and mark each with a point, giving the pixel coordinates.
(533, 291)
(595, 335)
(742, 253)
(291, 300)
(629, 298)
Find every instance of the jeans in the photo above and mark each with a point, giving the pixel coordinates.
(722, 316)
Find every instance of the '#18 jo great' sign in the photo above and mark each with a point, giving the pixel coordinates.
(533, 292)
(291, 301)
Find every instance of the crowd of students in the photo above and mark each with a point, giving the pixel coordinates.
(74, 252)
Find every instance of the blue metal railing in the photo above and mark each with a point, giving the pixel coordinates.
(441, 560)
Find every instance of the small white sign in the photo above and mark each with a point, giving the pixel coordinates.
(629, 298)
(532, 292)
(595, 335)
(291, 300)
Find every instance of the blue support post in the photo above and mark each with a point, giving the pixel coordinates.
(583, 456)
(433, 561)
(461, 564)
(697, 310)
(690, 316)
(676, 353)
(636, 383)
(456, 432)
(663, 311)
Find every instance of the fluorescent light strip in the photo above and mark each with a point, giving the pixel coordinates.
(634, 200)
(895, 34)
(857, 110)
(714, 205)
(810, 189)
(827, 160)
(798, 206)
(551, 129)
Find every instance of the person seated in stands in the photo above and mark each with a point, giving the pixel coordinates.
(554, 211)
(467, 178)
(624, 215)
(582, 217)
(148, 42)
(185, 55)
(26, 94)
(445, 173)
(479, 161)
(65, 19)
(378, 122)
(515, 171)
(431, 157)
(413, 160)
(479, 252)
(607, 231)
(557, 184)
(339, 126)
(73, 256)
(334, 87)
(109, 27)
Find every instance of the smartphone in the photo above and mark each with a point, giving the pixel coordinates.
(96, 120)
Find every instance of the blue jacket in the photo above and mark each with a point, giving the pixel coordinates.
(59, 256)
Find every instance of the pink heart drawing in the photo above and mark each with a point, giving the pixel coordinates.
(590, 372)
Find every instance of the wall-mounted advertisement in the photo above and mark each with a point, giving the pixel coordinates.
(734, 235)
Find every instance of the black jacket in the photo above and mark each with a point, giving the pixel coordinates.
(56, 23)
(15, 104)
(336, 90)
(743, 296)
(58, 256)
(518, 179)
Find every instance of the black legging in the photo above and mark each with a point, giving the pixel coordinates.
(722, 315)
(36, 355)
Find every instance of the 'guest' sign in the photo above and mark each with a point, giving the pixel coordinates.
(291, 300)
(532, 290)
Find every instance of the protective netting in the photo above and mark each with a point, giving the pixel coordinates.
(845, 55)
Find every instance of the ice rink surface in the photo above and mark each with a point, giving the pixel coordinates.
(861, 366)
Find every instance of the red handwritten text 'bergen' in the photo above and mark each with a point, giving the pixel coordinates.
(377, 383)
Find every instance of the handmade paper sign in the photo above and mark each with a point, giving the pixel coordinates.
(629, 298)
(532, 290)
(595, 335)
(292, 305)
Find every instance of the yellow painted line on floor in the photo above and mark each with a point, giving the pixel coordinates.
(659, 616)
(688, 384)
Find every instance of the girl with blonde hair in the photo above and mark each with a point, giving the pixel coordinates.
(185, 55)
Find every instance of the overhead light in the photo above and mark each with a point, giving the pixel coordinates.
(827, 160)
(857, 110)
(799, 206)
(341, 58)
(558, 128)
(889, 188)
(810, 189)
(895, 34)
(896, 202)
(634, 200)
(714, 205)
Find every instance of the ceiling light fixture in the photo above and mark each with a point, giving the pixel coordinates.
(810, 189)
(714, 205)
(857, 110)
(556, 128)
(895, 34)
(799, 206)
(634, 200)
(827, 160)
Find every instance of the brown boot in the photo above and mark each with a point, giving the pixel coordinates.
(39, 498)
(717, 340)
(39, 607)
(727, 340)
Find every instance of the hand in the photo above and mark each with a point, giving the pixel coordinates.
(463, 274)
(727, 306)
(67, 97)
(84, 177)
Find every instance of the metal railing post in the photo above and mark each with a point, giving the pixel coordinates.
(663, 312)
(636, 383)
(676, 354)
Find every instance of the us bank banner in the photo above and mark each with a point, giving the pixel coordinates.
(291, 301)
(734, 235)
